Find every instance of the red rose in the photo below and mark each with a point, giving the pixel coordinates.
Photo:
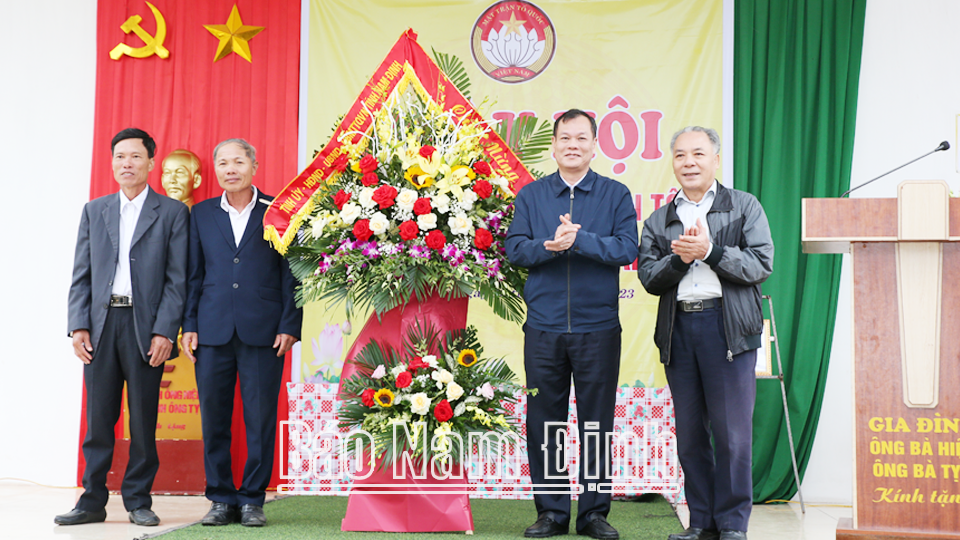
(417, 363)
(482, 168)
(422, 206)
(361, 229)
(340, 164)
(367, 397)
(384, 196)
(370, 179)
(482, 239)
(427, 151)
(436, 240)
(341, 199)
(442, 411)
(404, 379)
(483, 189)
(409, 230)
(368, 164)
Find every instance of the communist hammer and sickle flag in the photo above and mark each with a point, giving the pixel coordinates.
(405, 65)
(152, 44)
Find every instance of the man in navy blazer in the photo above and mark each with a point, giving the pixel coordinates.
(126, 301)
(241, 319)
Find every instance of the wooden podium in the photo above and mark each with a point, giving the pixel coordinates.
(906, 341)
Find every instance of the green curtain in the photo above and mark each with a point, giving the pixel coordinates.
(796, 71)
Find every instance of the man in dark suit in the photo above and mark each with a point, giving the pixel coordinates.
(126, 302)
(241, 319)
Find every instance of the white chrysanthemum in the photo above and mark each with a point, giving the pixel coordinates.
(350, 213)
(500, 182)
(379, 224)
(454, 391)
(427, 222)
(366, 198)
(442, 376)
(442, 203)
(419, 403)
(460, 224)
(405, 200)
(398, 369)
(430, 360)
(469, 198)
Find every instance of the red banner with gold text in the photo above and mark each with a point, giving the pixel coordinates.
(193, 73)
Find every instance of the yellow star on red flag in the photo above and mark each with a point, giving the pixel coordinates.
(233, 36)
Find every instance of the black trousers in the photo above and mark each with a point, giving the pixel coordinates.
(261, 374)
(118, 359)
(593, 359)
(713, 397)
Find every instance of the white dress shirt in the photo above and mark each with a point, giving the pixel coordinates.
(129, 215)
(700, 281)
(573, 185)
(238, 220)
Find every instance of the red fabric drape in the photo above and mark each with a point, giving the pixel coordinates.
(189, 101)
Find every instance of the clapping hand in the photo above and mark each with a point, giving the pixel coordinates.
(693, 244)
(565, 236)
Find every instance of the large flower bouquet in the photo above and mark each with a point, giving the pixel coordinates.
(412, 208)
(439, 388)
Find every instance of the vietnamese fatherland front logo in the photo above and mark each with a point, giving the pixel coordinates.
(513, 41)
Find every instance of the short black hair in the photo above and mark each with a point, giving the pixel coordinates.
(135, 133)
(570, 115)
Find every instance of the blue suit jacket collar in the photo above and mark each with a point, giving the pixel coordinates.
(559, 187)
(254, 224)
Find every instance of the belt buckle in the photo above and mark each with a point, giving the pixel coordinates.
(694, 305)
(117, 300)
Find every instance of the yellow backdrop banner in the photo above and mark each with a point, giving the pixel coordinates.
(643, 68)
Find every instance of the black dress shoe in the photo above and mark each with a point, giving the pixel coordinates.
(144, 517)
(598, 528)
(733, 535)
(545, 527)
(77, 516)
(220, 514)
(694, 533)
(251, 515)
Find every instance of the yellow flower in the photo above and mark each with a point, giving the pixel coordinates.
(467, 358)
(409, 153)
(416, 176)
(454, 182)
(384, 397)
(432, 165)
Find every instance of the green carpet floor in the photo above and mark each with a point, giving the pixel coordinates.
(318, 517)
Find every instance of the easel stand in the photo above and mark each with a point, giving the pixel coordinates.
(783, 392)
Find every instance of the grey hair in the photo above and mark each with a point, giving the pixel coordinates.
(247, 148)
(709, 132)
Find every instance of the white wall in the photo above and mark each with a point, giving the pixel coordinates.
(909, 101)
(46, 137)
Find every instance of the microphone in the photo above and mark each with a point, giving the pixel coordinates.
(943, 146)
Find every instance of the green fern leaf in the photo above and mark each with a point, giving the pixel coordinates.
(453, 68)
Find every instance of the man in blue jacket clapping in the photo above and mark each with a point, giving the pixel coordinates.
(573, 229)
